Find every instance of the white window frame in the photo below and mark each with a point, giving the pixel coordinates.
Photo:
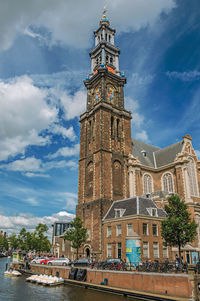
(146, 185)
(118, 232)
(109, 231)
(145, 254)
(109, 250)
(165, 251)
(166, 178)
(147, 229)
(129, 230)
(156, 250)
(192, 176)
(156, 229)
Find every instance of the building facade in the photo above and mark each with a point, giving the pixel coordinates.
(113, 167)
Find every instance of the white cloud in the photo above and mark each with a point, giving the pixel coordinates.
(66, 133)
(184, 76)
(24, 114)
(32, 167)
(73, 105)
(142, 136)
(63, 18)
(66, 152)
(13, 224)
(137, 119)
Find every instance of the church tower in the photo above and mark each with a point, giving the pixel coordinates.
(105, 138)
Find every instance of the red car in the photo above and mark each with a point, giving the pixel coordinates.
(44, 261)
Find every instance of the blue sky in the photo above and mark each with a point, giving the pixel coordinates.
(43, 62)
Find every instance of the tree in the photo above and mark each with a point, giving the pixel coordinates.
(40, 242)
(177, 228)
(3, 242)
(13, 241)
(77, 234)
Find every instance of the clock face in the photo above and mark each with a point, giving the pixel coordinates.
(110, 93)
(98, 94)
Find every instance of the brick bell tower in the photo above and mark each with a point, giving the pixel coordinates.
(105, 139)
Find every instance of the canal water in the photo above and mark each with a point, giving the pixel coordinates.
(17, 289)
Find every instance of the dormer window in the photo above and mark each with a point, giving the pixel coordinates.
(119, 212)
(154, 212)
(144, 153)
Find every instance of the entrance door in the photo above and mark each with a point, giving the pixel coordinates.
(87, 253)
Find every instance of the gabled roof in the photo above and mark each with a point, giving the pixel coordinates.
(134, 206)
(168, 154)
(155, 157)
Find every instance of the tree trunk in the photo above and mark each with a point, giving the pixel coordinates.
(77, 253)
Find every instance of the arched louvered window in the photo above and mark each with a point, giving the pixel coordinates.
(147, 184)
(168, 183)
(191, 169)
(89, 179)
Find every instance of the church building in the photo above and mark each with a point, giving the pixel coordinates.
(124, 182)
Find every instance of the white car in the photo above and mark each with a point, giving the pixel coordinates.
(59, 261)
(37, 259)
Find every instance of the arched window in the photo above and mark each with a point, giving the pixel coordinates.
(106, 36)
(109, 38)
(168, 183)
(147, 184)
(117, 177)
(89, 179)
(111, 60)
(191, 169)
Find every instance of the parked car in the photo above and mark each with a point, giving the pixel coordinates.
(37, 260)
(112, 263)
(44, 261)
(85, 262)
(59, 261)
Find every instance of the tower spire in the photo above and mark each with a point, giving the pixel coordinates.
(104, 18)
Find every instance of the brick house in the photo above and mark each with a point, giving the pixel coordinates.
(135, 221)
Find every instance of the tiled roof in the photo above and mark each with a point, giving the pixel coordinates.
(134, 206)
(138, 147)
(168, 154)
(155, 157)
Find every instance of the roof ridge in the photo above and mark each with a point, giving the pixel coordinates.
(146, 143)
(167, 147)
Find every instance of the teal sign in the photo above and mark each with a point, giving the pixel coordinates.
(195, 257)
(133, 252)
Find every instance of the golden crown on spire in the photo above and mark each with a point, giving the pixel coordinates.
(104, 19)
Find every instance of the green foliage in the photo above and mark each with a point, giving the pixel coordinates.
(13, 242)
(3, 243)
(177, 228)
(77, 234)
(28, 241)
(39, 240)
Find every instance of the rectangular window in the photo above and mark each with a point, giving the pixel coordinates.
(109, 250)
(145, 229)
(165, 251)
(109, 229)
(118, 230)
(154, 212)
(155, 250)
(129, 229)
(145, 249)
(119, 250)
(155, 229)
(117, 213)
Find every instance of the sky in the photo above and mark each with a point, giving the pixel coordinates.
(44, 58)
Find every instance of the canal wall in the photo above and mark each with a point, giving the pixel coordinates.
(176, 285)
